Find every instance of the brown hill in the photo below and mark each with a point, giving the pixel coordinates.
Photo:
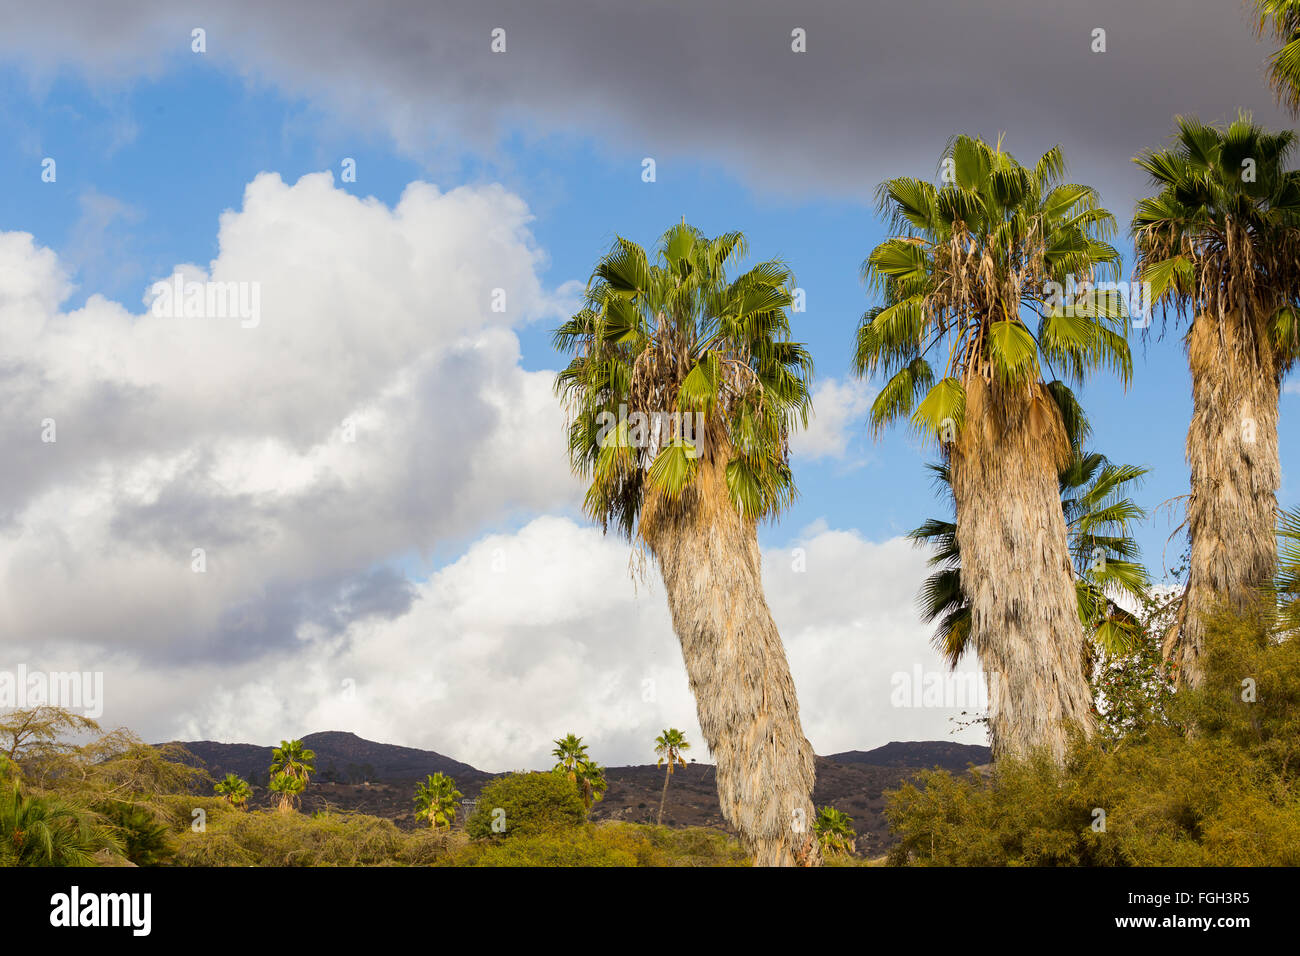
(379, 779)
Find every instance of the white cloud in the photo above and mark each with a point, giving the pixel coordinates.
(535, 634)
(175, 434)
(839, 416)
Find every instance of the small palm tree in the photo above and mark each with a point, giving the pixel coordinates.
(435, 800)
(1220, 242)
(47, 831)
(585, 774)
(669, 746)
(1287, 583)
(235, 789)
(1281, 18)
(682, 392)
(288, 789)
(835, 831)
(1099, 516)
(294, 760)
(974, 284)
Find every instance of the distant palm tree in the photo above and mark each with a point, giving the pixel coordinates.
(683, 390)
(435, 800)
(48, 831)
(235, 790)
(585, 774)
(1287, 583)
(1281, 18)
(975, 279)
(289, 789)
(294, 760)
(1220, 242)
(1099, 519)
(571, 753)
(669, 746)
(835, 831)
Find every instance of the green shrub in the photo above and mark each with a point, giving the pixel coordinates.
(605, 844)
(1227, 794)
(269, 838)
(533, 803)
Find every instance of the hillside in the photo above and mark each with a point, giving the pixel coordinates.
(378, 779)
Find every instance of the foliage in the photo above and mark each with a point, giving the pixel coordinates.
(1281, 18)
(661, 340)
(532, 803)
(835, 832)
(435, 800)
(41, 830)
(607, 844)
(1229, 794)
(574, 762)
(235, 789)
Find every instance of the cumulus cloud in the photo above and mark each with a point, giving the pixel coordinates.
(839, 410)
(532, 635)
(377, 408)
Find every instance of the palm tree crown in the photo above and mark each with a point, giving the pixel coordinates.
(666, 343)
(435, 800)
(1282, 19)
(1222, 235)
(971, 262)
(669, 746)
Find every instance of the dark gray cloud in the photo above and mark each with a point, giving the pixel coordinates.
(879, 90)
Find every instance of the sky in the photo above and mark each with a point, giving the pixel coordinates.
(371, 471)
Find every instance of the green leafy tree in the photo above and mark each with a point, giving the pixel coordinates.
(835, 832)
(669, 746)
(1287, 585)
(435, 800)
(235, 790)
(682, 392)
(525, 804)
(1220, 241)
(291, 767)
(989, 277)
(585, 774)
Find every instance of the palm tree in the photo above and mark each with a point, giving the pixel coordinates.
(435, 800)
(235, 790)
(1099, 519)
(1221, 239)
(587, 775)
(1281, 18)
(682, 392)
(669, 746)
(288, 788)
(571, 753)
(835, 831)
(1286, 586)
(293, 760)
(48, 831)
(971, 263)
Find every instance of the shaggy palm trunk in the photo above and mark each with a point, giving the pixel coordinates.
(1016, 572)
(744, 695)
(664, 796)
(1232, 452)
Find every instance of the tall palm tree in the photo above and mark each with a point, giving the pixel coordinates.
(669, 746)
(835, 832)
(1221, 240)
(436, 799)
(235, 790)
(1099, 519)
(1281, 18)
(972, 263)
(682, 392)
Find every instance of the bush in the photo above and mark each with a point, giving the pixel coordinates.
(1227, 794)
(606, 844)
(534, 803)
(270, 838)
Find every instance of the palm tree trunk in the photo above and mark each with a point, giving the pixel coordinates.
(1233, 455)
(708, 555)
(664, 796)
(1016, 571)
